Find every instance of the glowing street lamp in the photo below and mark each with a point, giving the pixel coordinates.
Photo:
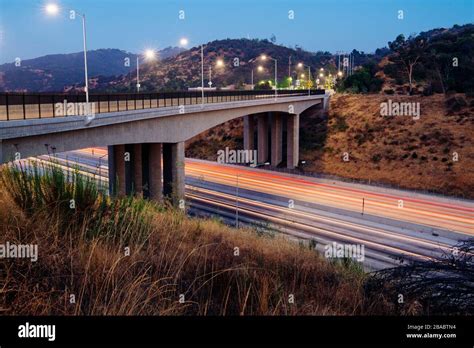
(301, 65)
(339, 73)
(183, 42)
(53, 9)
(149, 54)
(264, 58)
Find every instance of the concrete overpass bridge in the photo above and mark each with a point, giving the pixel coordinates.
(145, 133)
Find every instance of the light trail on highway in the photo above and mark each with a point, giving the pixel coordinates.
(424, 227)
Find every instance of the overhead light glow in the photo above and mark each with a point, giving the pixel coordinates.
(149, 54)
(52, 9)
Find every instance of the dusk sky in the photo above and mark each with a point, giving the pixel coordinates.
(27, 32)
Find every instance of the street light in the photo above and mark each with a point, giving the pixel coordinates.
(219, 64)
(53, 9)
(183, 42)
(264, 58)
(301, 65)
(149, 54)
(339, 73)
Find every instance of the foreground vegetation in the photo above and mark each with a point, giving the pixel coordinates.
(128, 256)
(83, 252)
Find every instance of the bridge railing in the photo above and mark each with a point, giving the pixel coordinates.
(23, 106)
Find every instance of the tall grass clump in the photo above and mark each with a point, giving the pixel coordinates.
(130, 256)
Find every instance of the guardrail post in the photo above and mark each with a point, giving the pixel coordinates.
(54, 111)
(6, 105)
(39, 105)
(24, 107)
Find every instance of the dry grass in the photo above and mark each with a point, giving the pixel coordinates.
(83, 253)
(414, 154)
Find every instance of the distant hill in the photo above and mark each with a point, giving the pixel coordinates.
(57, 72)
(240, 56)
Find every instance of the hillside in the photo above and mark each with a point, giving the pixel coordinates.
(400, 151)
(61, 72)
(184, 70)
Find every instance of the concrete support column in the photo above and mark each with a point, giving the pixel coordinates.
(116, 159)
(293, 139)
(137, 166)
(129, 170)
(326, 102)
(112, 170)
(262, 141)
(173, 171)
(276, 139)
(249, 130)
(152, 171)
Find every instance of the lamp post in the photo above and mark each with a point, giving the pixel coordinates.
(202, 75)
(219, 64)
(53, 9)
(300, 65)
(264, 57)
(149, 54)
(237, 201)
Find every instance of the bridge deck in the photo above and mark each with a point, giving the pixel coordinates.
(25, 106)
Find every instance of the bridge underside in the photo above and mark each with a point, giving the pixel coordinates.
(264, 132)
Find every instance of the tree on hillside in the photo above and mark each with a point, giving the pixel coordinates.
(408, 54)
(362, 80)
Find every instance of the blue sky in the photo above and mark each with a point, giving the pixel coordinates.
(133, 25)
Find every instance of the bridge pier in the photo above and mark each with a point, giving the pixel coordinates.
(276, 138)
(262, 140)
(116, 157)
(249, 131)
(152, 171)
(173, 172)
(293, 138)
(137, 167)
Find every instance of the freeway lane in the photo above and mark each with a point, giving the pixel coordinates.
(426, 226)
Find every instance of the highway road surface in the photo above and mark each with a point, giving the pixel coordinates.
(395, 226)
